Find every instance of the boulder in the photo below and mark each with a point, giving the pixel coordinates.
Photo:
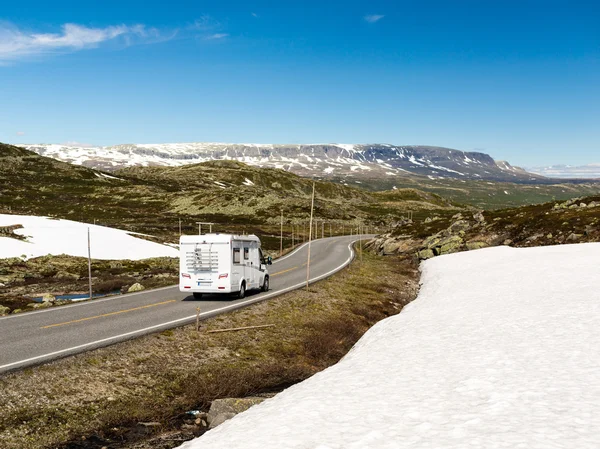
(220, 419)
(223, 409)
(137, 287)
(431, 241)
(391, 246)
(459, 225)
(48, 298)
(573, 237)
(64, 275)
(425, 254)
(476, 245)
(479, 217)
(449, 245)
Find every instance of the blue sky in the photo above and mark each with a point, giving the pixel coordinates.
(519, 80)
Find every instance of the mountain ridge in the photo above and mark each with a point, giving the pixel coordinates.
(351, 161)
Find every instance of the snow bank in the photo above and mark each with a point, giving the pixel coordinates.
(50, 236)
(499, 350)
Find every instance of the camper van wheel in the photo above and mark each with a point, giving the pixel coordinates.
(265, 287)
(242, 292)
(197, 295)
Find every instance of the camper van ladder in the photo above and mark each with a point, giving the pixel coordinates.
(202, 259)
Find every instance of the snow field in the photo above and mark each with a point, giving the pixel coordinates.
(51, 236)
(499, 350)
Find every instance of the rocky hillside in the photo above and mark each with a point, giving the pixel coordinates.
(352, 162)
(573, 221)
(153, 199)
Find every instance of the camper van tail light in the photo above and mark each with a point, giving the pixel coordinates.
(223, 276)
(185, 275)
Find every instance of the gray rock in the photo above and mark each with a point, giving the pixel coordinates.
(223, 409)
(479, 217)
(449, 245)
(476, 245)
(137, 287)
(460, 225)
(48, 298)
(67, 276)
(425, 254)
(573, 237)
(220, 419)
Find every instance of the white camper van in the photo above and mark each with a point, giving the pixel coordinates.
(222, 263)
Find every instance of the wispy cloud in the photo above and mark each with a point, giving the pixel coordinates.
(253, 14)
(372, 18)
(16, 44)
(216, 36)
(20, 133)
(208, 28)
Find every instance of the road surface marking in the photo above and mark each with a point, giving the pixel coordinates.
(108, 314)
(284, 271)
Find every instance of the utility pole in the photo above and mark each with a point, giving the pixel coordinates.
(180, 226)
(322, 229)
(90, 263)
(330, 234)
(292, 235)
(281, 236)
(360, 242)
(312, 205)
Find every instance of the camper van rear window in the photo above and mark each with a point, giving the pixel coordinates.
(246, 253)
(236, 255)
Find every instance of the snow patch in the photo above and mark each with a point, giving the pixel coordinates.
(51, 236)
(497, 351)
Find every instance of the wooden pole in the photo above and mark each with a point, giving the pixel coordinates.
(180, 226)
(262, 326)
(312, 205)
(90, 264)
(197, 319)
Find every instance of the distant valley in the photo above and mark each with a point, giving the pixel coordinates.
(588, 171)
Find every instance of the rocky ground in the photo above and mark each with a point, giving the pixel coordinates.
(573, 221)
(50, 276)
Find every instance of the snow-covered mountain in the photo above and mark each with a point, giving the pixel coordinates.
(322, 160)
(589, 171)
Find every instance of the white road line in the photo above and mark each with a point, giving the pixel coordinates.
(189, 318)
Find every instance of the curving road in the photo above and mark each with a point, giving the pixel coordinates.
(38, 337)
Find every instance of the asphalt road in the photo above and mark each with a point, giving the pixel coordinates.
(37, 337)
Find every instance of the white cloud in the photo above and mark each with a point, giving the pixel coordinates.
(16, 44)
(217, 36)
(374, 18)
(254, 14)
(20, 133)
